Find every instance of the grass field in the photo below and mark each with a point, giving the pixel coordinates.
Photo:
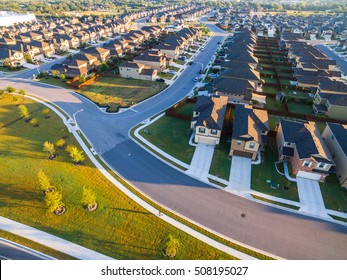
(220, 165)
(119, 227)
(172, 136)
(186, 109)
(267, 171)
(54, 81)
(300, 108)
(119, 92)
(271, 103)
(335, 198)
(166, 76)
(271, 89)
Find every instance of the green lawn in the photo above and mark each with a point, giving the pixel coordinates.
(176, 69)
(270, 89)
(172, 136)
(267, 72)
(271, 103)
(186, 109)
(54, 81)
(179, 61)
(270, 80)
(120, 92)
(266, 65)
(267, 171)
(285, 82)
(300, 108)
(119, 227)
(335, 197)
(220, 165)
(166, 76)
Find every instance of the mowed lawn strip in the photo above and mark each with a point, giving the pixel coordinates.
(120, 92)
(267, 171)
(119, 228)
(335, 197)
(172, 136)
(220, 165)
(34, 245)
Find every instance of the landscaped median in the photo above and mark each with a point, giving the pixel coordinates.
(119, 228)
(113, 93)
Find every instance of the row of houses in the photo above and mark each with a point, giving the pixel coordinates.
(149, 63)
(33, 41)
(239, 76)
(90, 59)
(316, 73)
(311, 154)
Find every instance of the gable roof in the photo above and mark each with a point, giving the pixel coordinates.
(212, 111)
(340, 133)
(250, 122)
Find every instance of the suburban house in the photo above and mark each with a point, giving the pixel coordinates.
(335, 136)
(45, 48)
(11, 57)
(135, 70)
(76, 68)
(154, 59)
(208, 119)
(171, 50)
(101, 53)
(301, 144)
(331, 99)
(237, 90)
(250, 129)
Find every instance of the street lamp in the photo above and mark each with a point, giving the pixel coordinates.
(37, 67)
(74, 117)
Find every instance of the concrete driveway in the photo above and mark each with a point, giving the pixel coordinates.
(311, 198)
(201, 162)
(240, 175)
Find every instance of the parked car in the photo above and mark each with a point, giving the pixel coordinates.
(196, 79)
(190, 63)
(160, 80)
(212, 75)
(172, 72)
(182, 58)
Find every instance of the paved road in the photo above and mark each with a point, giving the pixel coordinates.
(12, 251)
(341, 63)
(276, 231)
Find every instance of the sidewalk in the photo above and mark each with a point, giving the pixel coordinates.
(91, 254)
(51, 241)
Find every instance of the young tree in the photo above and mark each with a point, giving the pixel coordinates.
(45, 111)
(10, 89)
(45, 185)
(88, 198)
(75, 154)
(55, 73)
(49, 148)
(22, 92)
(60, 143)
(172, 246)
(54, 201)
(23, 112)
(62, 76)
(34, 122)
(82, 79)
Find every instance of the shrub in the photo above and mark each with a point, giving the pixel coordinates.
(82, 79)
(172, 246)
(45, 111)
(53, 200)
(62, 76)
(49, 148)
(10, 89)
(34, 122)
(60, 143)
(75, 154)
(88, 198)
(23, 112)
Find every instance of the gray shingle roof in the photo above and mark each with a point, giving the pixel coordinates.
(340, 133)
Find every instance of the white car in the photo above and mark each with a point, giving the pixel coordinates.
(172, 72)
(196, 79)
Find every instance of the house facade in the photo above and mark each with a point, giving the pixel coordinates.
(208, 119)
(250, 130)
(335, 136)
(301, 144)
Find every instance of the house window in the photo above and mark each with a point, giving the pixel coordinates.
(321, 165)
(239, 142)
(306, 163)
(201, 130)
(252, 145)
(214, 131)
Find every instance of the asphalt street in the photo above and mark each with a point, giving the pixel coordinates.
(11, 251)
(279, 232)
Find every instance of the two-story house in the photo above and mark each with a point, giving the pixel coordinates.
(208, 119)
(250, 130)
(138, 71)
(335, 136)
(155, 59)
(301, 144)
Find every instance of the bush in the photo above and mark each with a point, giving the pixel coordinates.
(34, 122)
(62, 76)
(11, 89)
(172, 246)
(45, 111)
(82, 79)
(60, 143)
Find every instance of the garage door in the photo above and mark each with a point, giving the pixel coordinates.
(309, 175)
(242, 154)
(205, 140)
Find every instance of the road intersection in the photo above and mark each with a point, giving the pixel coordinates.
(276, 231)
